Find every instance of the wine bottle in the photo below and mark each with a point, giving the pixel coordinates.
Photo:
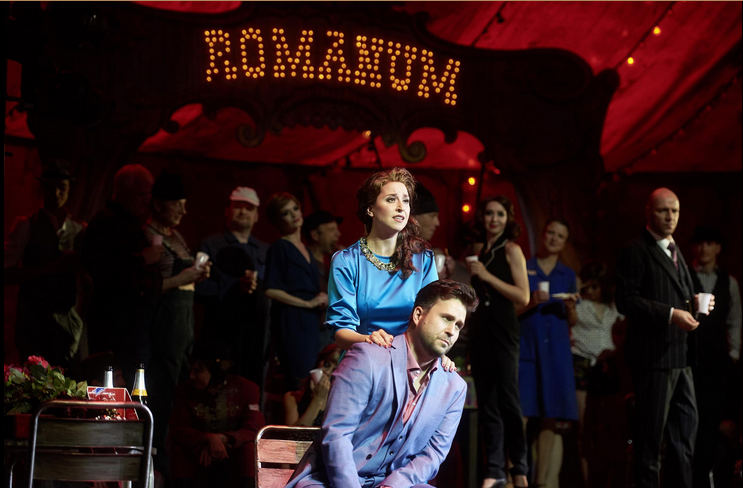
(139, 392)
(108, 379)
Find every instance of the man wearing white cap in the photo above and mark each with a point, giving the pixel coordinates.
(236, 309)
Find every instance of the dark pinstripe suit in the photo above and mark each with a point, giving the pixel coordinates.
(648, 285)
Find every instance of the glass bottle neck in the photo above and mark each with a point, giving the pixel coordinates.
(139, 387)
(108, 380)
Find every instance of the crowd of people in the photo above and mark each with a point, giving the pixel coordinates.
(544, 345)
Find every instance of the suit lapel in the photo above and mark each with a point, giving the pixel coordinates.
(665, 262)
(687, 275)
(399, 358)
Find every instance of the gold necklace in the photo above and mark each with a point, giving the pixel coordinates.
(374, 259)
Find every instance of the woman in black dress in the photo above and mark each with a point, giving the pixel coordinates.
(499, 277)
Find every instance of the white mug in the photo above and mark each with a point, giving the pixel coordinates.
(440, 262)
(544, 286)
(316, 375)
(471, 259)
(704, 299)
(201, 259)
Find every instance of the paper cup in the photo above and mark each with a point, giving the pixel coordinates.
(201, 259)
(471, 259)
(704, 299)
(315, 375)
(157, 240)
(544, 286)
(440, 262)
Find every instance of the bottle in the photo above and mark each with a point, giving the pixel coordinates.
(139, 392)
(108, 379)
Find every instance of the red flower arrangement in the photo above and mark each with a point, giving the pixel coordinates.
(35, 382)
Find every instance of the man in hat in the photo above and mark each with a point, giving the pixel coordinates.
(392, 413)
(172, 327)
(41, 256)
(320, 230)
(236, 310)
(123, 266)
(426, 212)
(718, 347)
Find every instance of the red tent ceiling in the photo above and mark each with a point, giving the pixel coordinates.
(678, 107)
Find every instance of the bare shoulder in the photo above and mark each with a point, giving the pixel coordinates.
(513, 250)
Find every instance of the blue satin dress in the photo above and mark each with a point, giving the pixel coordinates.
(363, 298)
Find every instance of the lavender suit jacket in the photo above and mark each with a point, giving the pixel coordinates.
(367, 396)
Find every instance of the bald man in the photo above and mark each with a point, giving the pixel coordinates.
(123, 266)
(656, 293)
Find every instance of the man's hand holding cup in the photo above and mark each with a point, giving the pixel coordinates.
(249, 282)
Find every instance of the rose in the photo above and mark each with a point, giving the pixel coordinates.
(38, 360)
(36, 382)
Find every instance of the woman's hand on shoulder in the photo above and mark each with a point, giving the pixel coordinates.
(380, 338)
(448, 364)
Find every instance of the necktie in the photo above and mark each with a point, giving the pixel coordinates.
(674, 254)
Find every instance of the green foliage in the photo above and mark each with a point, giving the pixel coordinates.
(36, 382)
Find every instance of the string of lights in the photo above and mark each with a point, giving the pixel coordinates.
(655, 30)
(681, 130)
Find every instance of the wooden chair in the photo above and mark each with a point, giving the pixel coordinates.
(278, 450)
(90, 450)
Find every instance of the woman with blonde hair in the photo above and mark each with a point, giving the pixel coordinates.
(374, 282)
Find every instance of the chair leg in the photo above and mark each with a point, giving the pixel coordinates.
(13, 461)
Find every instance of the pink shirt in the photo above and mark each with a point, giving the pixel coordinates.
(414, 370)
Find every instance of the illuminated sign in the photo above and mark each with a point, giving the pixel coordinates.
(373, 63)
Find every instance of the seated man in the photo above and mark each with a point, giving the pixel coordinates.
(214, 422)
(392, 412)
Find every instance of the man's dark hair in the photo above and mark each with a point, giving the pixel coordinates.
(596, 271)
(430, 294)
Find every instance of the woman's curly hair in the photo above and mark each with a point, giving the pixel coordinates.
(408, 242)
(513, 228)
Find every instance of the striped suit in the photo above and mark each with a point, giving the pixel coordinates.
(648, 286)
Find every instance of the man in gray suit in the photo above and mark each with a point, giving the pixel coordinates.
(656, 293)
(392, 412)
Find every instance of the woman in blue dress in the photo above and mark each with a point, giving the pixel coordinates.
(546, 379)
(374, 282)
(292, 282)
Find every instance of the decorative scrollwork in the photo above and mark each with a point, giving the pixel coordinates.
(413, 153)
(250, 136)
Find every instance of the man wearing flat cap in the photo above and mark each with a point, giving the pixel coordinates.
(236, 310)
(40, 255)
(320, 230)
(718, 348)
(426, 212)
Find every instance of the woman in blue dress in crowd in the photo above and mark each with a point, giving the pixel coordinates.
(546, 379)
(500, 279)
(374, 282)
(292, 282)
